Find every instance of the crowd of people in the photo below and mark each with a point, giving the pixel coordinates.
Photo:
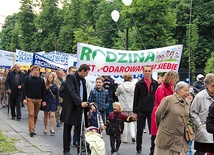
(170, 107)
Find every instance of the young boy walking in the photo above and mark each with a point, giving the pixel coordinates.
(100, 96)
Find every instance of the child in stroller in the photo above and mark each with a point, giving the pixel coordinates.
(94, 131)
(94, 117)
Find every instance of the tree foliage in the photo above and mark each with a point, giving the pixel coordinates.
(209, 65)
(26, 25)
(150, 24)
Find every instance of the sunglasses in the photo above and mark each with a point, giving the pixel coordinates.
(147, 71)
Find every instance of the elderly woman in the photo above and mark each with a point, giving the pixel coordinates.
(165, 89)
(198, 114)
(170, 117)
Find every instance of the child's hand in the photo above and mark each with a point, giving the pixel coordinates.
(91, 111)
(134, 118)
(103, 128)
(93, 108)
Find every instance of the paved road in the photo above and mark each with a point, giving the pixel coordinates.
(54, 143)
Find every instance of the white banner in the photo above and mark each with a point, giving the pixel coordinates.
(25, 58)
(46, 63)
(104, 61)
(6, 59)
(72, 61)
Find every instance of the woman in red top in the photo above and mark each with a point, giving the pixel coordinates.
(165, 89)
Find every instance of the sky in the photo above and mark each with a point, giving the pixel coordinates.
(8, 7)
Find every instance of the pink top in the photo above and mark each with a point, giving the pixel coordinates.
(162, 91)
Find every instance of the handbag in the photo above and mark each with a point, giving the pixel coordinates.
(188, 131)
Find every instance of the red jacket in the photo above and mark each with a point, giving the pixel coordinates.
(115, 122)
(162, 91)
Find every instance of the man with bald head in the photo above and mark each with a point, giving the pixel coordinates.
(14, 83)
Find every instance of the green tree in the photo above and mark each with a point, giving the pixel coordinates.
(133, 40)
(9, 34)
(209, 65)
(73, 19)
(49, 22)
(106, 29)
(203, 13)
(154, 20)
(192, 41)
(26, 24)
(86, 36)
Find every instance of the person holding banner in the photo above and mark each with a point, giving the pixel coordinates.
(75, 98)
(143, 104)
(14, 85)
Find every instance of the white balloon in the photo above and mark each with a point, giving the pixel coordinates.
(127, 2)
(99, 60)
(115, 15)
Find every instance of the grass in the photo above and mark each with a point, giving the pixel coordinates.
(7, 145)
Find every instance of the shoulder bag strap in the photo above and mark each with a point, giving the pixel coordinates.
(52, 94)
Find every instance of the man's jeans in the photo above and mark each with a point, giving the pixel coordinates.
(33, 106)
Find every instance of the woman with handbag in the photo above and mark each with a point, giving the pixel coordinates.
(52, 101)
(172, 117)
(166, 88)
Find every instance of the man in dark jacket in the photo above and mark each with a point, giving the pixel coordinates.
(144, 103)
(14, 83)
(75, 98)
(34, 95)
(199, 84)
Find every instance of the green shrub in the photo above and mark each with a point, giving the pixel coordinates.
(7, 145)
